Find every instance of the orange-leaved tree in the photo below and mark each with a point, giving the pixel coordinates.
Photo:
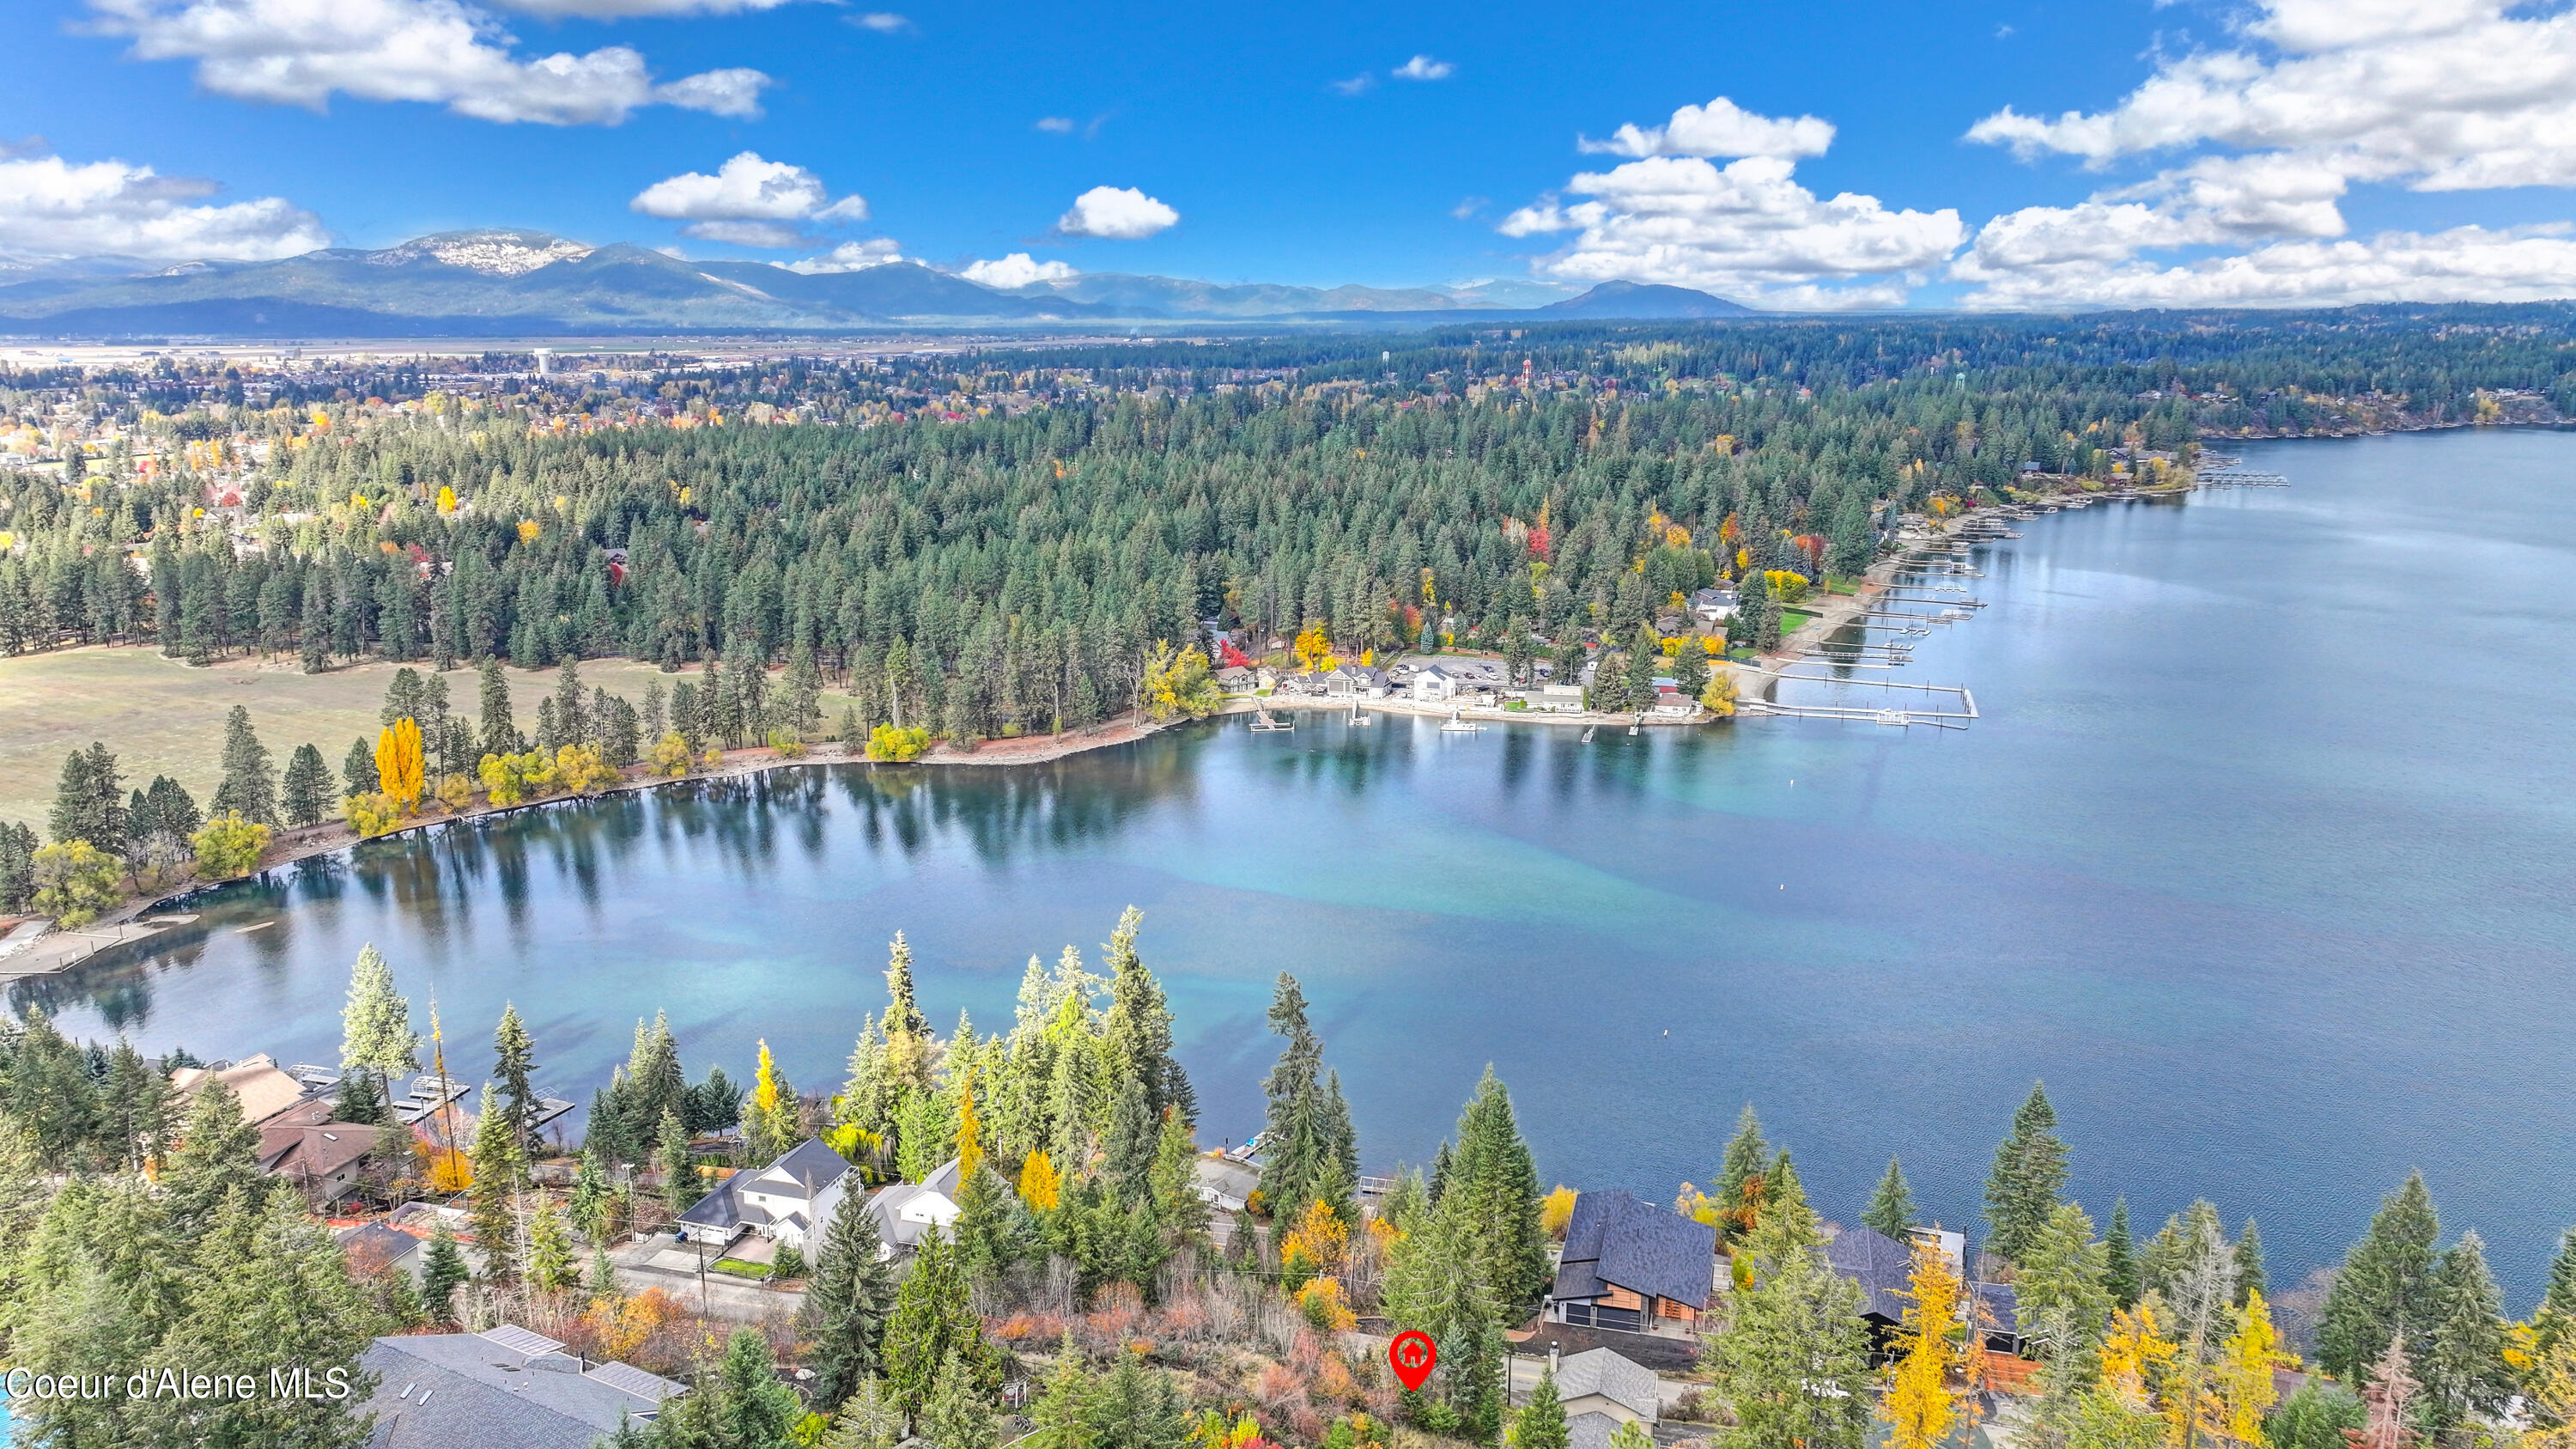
(398, 763)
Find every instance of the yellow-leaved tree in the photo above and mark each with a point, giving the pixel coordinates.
(1312, 646)
(2245, 1364)
(769, 1119)
(1040, 1184)
(1556, 1211)
(1180, 684)
(1920, 1407)
(398, 763)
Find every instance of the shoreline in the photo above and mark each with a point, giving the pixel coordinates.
(59, 950)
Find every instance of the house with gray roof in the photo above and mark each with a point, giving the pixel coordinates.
(1883, 1269)
(505, 1388)
(1601, 1381)
(779, 1201)
(1633, 1267)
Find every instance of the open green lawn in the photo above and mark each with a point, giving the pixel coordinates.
(737, 1268)
(1792, 619)
(162, 717)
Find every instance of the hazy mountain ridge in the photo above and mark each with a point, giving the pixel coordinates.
(508, 281)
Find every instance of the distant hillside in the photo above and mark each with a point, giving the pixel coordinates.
(1644, 300)
(503, 282)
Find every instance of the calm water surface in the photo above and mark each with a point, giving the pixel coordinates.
(2264, 856)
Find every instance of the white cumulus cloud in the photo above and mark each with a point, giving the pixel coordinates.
(50, 207)
(1720, 128)
(2462, 264)
(2268, 135)
(436, 52)
(1747, 231)
(747, 188)
(1118, 213)
(637, 9)
(1424, 68)
(855, 256)
(1017, 270)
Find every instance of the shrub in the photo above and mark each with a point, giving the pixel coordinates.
(455, 792)
(74, 882)
(888, 743)
(371, 815)
(670, 757)
(786, 744)
(790, 1262)
(1321, 1301)
(1720, 694)
(583, 770)
(228, 846)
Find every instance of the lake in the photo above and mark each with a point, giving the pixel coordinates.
(2263, 855)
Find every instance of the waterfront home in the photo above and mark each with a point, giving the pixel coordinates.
(322, 1157)
(1236, 679)
(778, 1201)
(1602, 1381)
(1883, 1268)
(1633, 1267)
(1557, 698)
(1359, 681)
(504, 1386)
(1223, 1182)
(1433, 684)
(263, 1088)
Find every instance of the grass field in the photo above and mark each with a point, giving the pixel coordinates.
(163, 718)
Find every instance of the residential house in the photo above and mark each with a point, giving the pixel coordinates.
(505, 1388)
(1433, 684)
(263, 1087)
(1602, 1381)
(1884, 1270)
(778, 1201)
(1557, 698)
(1223, 1182)
(906, 1211)
(321, 1156)
(1712, 605)
(1356, 681)
(1633, 1267)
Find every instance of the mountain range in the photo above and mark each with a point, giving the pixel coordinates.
(495, 283)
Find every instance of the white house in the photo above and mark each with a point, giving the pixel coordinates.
(778, 1201)
(1434, 685)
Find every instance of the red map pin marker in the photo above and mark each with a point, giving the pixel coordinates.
(1412, 1354)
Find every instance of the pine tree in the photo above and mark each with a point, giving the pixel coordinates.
(1130, 1146)
(2029, 1174)
(515, 1064)
(249, 784)
(2120, 1258)
(866, 1421)
(958, 1414)
(1296, 1142)
(1138, 1029)
(847, 1302)
(2386, 1287)
(492, 1201)
(217, 1157)
(2249, 1264)
(443, 1271)
(1741, 1177)
(1541, 1422)
(671, 1158)
(550, 1260)
(2463, 1365)
(1793, 1364)
(375, 1027)
(2555, 1322)
(500, 733)
(933, 1320)
(1497, 1186)
(1134, 1407)
(1063, 1406)
(1891, 1207)
(306, 797)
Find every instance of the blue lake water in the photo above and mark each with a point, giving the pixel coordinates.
(2263, 856)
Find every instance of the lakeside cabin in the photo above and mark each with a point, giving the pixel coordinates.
(1633, 1268)
(1883, 1268)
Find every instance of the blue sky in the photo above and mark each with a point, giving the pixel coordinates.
(2293, 150)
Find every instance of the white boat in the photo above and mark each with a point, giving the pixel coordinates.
(1458, 723)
